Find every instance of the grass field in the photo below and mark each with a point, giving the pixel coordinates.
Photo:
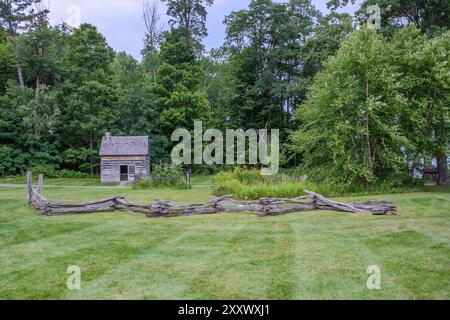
(316, 255)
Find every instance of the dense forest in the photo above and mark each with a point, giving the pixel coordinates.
(353, 104)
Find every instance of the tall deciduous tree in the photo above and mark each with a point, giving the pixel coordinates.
(428, 16)
(424, 83)
(348, 132)
(43, 59)
(189, 15)
(265, 43)
(153, 37)
(15, 17)
(6, 61)
(181, 99)
(274, 51)
(90, 94)
(138, 111)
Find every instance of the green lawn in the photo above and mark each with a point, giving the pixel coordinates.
(317, 255)
(87, 182)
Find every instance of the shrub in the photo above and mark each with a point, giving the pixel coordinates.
(71, 174)
(7, 165)
(47, 171)
(250, 185)
(51, 172)
(163, 176)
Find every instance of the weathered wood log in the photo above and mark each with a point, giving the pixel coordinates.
(86, 209)
(38, 201)
(29, 188)
(263, 207)
(131, 209)
(285, 201)
(124, 203)
(243, 202)
(40, 183)
(191, 212)
(240, 208)
(214, 201)
(53, 204)
(379, 202)
(285, 210)
(37, 194)
(334, 204)
(373, 209)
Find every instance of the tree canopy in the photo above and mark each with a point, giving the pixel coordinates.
(353, 105)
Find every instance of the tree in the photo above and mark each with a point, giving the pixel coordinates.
(434, 62)
(138, 111)
(153, 37)
(6, 61)
(16, 16)
(348, 132)
(11, 133)
(424, 84)
(181, 99)
(27, 126)
(329, 33)
(189, 15)
(179, 85)
(429, 16)
(42, 46)
(218, 85)
(274, 51)
(90, 96)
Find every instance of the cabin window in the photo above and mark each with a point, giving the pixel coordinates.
(131, 170)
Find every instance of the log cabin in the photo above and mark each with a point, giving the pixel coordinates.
(124, 159)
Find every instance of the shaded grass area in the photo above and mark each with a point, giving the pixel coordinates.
(87, 182)
(314, 255)
(58, 181)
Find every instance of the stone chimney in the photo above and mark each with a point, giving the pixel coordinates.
(108, 135)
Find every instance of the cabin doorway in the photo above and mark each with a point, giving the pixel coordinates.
(123, 173)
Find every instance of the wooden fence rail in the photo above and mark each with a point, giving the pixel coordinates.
(262, 207)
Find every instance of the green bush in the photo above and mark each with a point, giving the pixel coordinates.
(7, 165)
(71, 174)
(51, 172)
(163, 176)
(250, 185)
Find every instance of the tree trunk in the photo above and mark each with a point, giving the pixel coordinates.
(369, 145)
(442, 169)
(154, 71)
(19, 67)
(20, 75)
(426, 169)
(91, 158)
(38, 77)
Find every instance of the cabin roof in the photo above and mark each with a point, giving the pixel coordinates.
(124, 146)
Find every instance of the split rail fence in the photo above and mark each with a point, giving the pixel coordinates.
(160, 208)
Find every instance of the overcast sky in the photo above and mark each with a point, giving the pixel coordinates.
(121, 22)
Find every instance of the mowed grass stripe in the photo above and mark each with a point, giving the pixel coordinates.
(249, 264)
(331, 258)
(44, 268)
(165, 270)
(318, 255)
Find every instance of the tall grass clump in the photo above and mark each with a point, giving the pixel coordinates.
(163, 176)
(51, 172)
(248, 184)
